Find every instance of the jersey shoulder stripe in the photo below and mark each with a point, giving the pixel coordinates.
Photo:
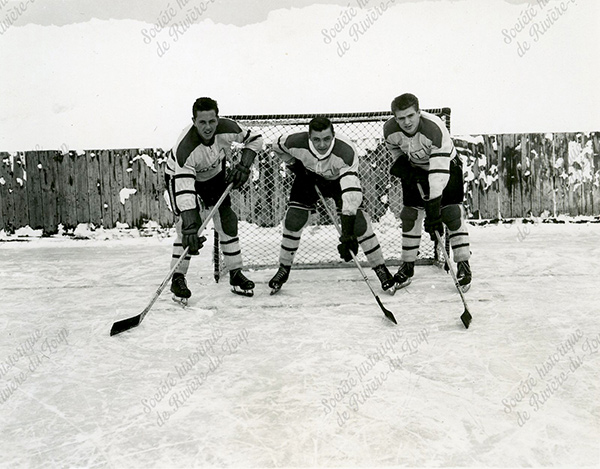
(431, 129)
(390, 127)
(298, 140)
(227, 126)
(187, 144)
(344, 151)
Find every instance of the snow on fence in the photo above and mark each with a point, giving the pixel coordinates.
(102, 187)
(523, 175)
(507, 176)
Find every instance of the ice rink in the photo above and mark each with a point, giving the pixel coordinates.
(312, 377)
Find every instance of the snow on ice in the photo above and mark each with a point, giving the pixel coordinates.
(313, 376)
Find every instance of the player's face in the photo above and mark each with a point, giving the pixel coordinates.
(408, 119)
(206, 124)
(322, 140)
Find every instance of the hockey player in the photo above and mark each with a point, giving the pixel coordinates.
(330, 161)
(425, 156)
(196, 169)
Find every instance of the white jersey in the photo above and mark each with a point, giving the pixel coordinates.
(192, 160)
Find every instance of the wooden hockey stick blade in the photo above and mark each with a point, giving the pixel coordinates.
(466, 318)
(125, 324)
(388, 314)
(134, 321)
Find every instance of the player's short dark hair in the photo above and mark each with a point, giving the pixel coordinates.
(204, 104)
(318, 124)
(404, 101)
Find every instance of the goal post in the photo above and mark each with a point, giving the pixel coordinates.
(262, 202)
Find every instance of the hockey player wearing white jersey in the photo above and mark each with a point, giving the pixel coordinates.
(330, 161)
(424, 155)
(196, 169)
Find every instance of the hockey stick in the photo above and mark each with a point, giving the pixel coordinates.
(134, 321)
(388, 314)
(216, 257)
(466, 315)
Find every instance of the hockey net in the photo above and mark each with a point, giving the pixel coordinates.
(261, 204)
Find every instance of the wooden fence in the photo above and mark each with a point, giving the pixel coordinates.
(42, 189)
(513, 176)
(507, 176)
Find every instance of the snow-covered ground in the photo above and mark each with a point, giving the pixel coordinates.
(313, 376)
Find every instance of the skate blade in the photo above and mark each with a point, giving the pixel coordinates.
(182, 301)
(404, 285)
(275, 290)
(465, 288)
(239, 291)
(392, 290)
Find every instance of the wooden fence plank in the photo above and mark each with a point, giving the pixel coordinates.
(6, 204)
(595, 143)
(524, 176)
(68, 206)
(140, 183)
(588, 172)
(482, 163)
(505, 173)
(516, 182)
(71, 187)
(153, 188)
(105, 166)
(131, 199)
(116, 184)
(19, 192)
(32, 185)
(140, 205)
(491, 146)
(82, 201)
(556, 177)
(489, 190)
(54, 161)
(166, 217)
(541, 169)
(94, 187)
(48, 192)
(149, 180)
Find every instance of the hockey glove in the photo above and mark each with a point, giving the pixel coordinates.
(407, 172)
(297, 168)
(348, 242)
(190, 224)
(401, 167)
(238, 175)
(433, 217)
(241, 171)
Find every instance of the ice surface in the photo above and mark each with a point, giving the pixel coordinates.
(313, 376)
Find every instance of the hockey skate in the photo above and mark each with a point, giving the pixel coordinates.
(404, 275)
(240, 285)
(388, 283)
(181, 293)
(279, 278)
(463, 275)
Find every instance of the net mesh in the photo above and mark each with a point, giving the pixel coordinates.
(262, 202)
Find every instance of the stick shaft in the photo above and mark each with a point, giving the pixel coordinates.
(451, 268)
(166, 280)
(387, 313)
